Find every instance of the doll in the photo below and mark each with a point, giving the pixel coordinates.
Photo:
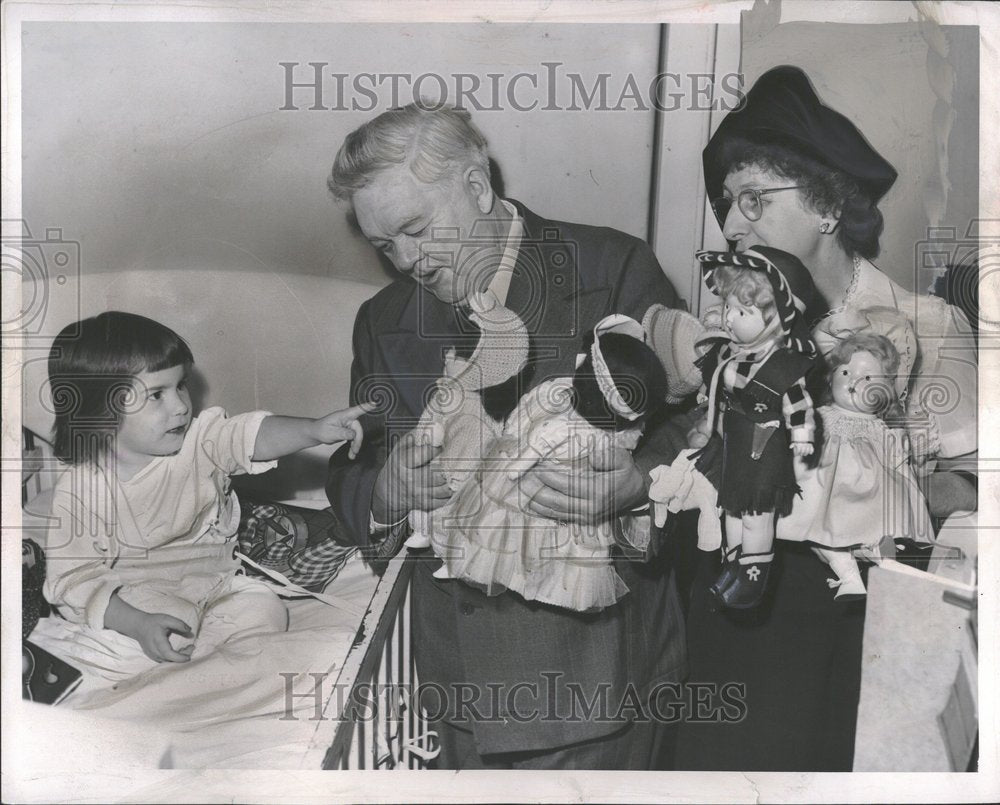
(862, 490)
(456, 416)
(756, 391)
(617, 385)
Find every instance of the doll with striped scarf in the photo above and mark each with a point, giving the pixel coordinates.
(760, 414)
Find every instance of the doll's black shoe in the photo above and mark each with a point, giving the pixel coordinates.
(748, 587)
(730, 567)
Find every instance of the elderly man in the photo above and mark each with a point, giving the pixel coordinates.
(516, 684)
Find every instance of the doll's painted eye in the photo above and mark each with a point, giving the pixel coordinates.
(843, 372)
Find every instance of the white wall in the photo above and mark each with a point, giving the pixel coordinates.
(161, 143)
(161, 149)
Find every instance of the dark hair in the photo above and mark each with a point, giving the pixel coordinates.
(91, 367)
(828, 190)
(638, 376)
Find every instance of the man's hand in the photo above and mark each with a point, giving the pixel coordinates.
(604, 483)
(407, 481)
(342, 426)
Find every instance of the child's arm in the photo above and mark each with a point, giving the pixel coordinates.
(282, 435)
(151, 630)
(797, 407)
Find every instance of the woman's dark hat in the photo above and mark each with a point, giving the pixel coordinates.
(783, 109)
(794, 290)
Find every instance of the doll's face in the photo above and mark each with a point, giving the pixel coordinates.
(861, 384)
(744, 323)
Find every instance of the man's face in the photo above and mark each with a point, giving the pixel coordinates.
(422, 228)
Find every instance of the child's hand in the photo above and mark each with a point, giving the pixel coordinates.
(153, 631)
(802, 449)
(342, 426)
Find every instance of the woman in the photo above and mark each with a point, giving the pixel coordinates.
(786, 171)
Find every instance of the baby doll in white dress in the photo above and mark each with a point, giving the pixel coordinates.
(498, 545)
(456, 418)
(862, 490)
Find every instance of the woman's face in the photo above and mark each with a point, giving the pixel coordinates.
(787, 221)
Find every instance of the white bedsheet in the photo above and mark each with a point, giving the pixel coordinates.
(232, 709)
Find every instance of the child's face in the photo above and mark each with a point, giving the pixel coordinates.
(156, 418)
(744, 323)
(860, 384)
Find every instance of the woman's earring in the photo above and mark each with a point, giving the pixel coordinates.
(824, 227)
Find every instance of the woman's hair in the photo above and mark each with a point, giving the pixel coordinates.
(883, 350)
(638, 376)
(751, 287)
(91, 367)
(829, 191)
(432, 141)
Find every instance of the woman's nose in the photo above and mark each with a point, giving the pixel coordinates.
(734, 227)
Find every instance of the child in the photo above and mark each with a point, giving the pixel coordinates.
(618, 384)
(862, 489)
(460, 417)
(767, 416)
(146, 529)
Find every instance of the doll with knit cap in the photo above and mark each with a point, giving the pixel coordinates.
(755, 385)
(619, 382)
(458, 416)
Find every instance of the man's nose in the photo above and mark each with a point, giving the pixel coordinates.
(407, 254)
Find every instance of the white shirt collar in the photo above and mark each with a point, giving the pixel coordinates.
(500, 284)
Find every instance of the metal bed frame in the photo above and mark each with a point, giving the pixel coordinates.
(380, 725)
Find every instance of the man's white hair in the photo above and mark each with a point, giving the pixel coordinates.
(432, 142)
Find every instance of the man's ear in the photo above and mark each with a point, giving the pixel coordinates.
(477, 182)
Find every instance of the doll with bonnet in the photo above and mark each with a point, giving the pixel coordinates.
(618, 384)
(862, 492)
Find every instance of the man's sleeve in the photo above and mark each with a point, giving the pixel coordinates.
(642, 283)
(350, 483)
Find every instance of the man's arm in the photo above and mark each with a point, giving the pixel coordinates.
(380, 484)
(350, 483)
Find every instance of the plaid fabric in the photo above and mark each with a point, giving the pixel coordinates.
(307, 546)
(796, 404)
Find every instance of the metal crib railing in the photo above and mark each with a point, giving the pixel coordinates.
(381, 726)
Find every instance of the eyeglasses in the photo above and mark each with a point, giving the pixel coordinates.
(748, 201)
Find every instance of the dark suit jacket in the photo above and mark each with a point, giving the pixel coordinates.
(568, 276)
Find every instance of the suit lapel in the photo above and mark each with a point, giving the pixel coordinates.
(548, 293)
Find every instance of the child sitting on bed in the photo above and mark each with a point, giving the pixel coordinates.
(143, 549)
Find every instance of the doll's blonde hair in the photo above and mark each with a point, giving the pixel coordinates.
(752, 288)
